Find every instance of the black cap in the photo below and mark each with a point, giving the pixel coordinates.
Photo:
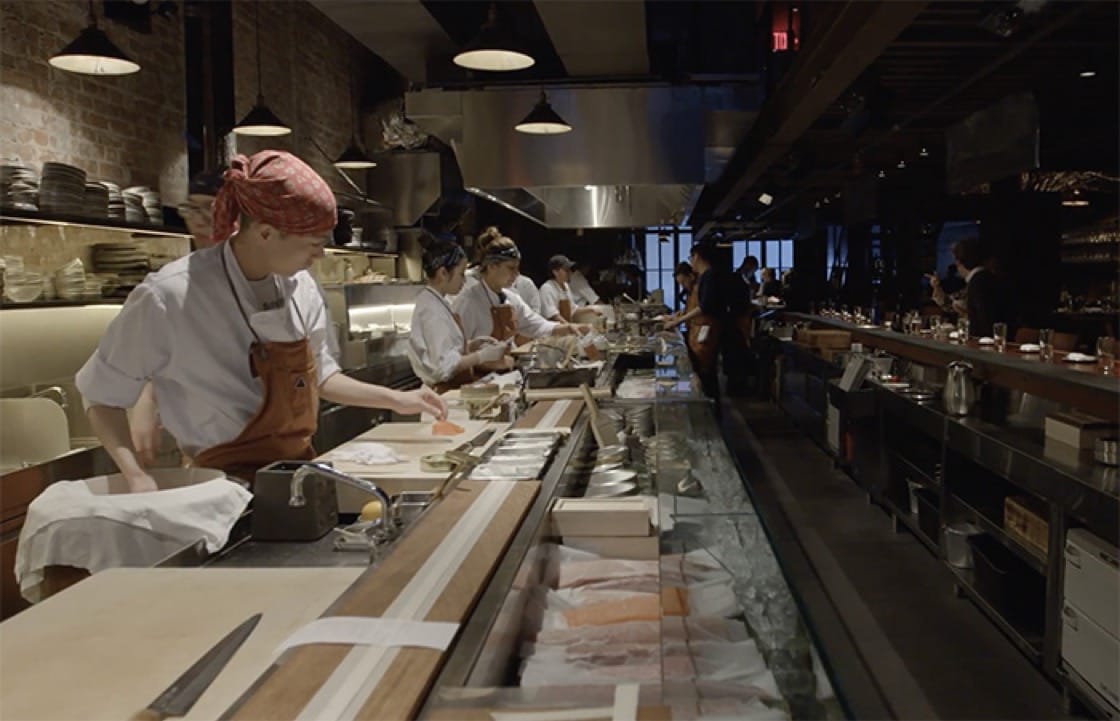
(560, 261)
(208, 182)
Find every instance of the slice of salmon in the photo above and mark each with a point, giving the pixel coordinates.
(446, 428)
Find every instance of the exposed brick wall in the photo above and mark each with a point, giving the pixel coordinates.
(128, 130)
(305, 74)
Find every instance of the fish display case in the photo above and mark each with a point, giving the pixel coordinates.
(642, 583)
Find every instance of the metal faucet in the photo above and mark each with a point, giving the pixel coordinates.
(296, 499)
(62, 398)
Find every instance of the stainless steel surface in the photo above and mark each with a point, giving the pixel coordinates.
(959, 393)
(1107, 451)
(309, 470)
(611, 490)
(409, 182)
(636, 158)
(180, 696)
(608, 477)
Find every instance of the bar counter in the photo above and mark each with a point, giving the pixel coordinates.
(1078, 385)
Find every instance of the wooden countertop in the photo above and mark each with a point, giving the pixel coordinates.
(1082, 386)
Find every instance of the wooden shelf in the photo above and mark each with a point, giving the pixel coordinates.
(341, 250)
(9, 305)
(1029, 642)
(10, 216)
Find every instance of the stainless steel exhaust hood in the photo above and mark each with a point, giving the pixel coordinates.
(637, 156)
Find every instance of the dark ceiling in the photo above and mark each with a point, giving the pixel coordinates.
(946, 65)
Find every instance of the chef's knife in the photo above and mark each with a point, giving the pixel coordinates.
(180, 696)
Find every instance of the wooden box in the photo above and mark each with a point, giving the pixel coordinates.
(1077, 429)
(1025, 520)
(603, 516)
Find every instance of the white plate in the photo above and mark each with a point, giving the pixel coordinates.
(1080, 358)
(1030, 348)
(987, 341)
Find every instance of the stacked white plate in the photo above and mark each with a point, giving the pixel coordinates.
(120, 258)
(62, 189)
(134, 207)
(19, 186)
(22, 286)
(150, 205)
(116, 200)
(70, 280)
(96, 201)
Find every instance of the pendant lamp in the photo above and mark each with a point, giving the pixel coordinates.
(353, 158)
(260, 121)
(543, 120)
(494, 49)
(93, 53)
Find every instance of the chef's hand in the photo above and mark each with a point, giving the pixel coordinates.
(491, 353)
(481, 342)
(140, 482)
(934, 281)
(144, 428)
(421, 400)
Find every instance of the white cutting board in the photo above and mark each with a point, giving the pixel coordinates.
(106, 647)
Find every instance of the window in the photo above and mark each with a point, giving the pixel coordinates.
(662, 258)
(776, 254)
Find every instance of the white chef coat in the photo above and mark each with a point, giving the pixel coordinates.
(181, 329)
(527, 289)
(551, 295)
(435, 344)
(473, 305)
(581, 290)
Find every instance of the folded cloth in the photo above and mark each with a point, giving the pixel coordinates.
(366, 453)
(70, 525)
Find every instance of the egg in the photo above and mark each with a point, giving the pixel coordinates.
(371, 511)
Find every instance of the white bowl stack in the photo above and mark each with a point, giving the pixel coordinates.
(70, 281)
(116, 200)
(149, 207)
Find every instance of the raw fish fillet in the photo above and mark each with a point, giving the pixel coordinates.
(446, 428)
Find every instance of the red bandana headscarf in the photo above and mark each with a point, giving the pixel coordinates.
(277, 188)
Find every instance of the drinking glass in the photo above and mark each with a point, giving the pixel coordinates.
(962, 330)
(1106, 354)
(1045, 344)
(916, 324)
(999, 333)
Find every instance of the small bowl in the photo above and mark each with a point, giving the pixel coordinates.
(617, 475)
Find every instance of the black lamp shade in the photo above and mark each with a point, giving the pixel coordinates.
(354, 158)
(93, 53)
(262, 122)
(543, 120)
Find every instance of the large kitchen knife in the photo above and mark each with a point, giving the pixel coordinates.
(180, 696)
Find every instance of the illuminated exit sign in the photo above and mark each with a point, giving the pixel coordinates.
(785, 27)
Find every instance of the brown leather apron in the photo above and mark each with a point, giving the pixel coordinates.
(289, 412)
(705, 353)
(565, 308)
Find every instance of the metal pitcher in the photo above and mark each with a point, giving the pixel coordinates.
(960, 393)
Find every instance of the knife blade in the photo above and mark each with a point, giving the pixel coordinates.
(180, 696)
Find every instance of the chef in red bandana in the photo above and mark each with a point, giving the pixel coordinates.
(234, 337)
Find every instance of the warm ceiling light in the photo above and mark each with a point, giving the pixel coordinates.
(882, 173)
(923, 153)
(260, 121)
(766, 198)
(493, 49)
(902, 165)
(1074, 200)
(1089, 68)
(353, 158)
(543, 120)
(93, 53)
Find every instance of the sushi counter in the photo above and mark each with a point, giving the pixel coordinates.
(626, 575)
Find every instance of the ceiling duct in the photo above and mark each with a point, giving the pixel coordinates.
(636, 157)
(407, 182)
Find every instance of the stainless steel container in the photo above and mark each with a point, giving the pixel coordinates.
(274, 519)
(957, 551)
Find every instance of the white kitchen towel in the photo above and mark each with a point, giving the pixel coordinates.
(366, 453)
(69, 525)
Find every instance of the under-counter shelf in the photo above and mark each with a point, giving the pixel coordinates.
(1026, 640)
(9, 216)
(996, 531)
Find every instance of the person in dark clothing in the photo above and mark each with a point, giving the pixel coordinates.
(989, 300)
(746, 271)
(771, 286)
(704, 317)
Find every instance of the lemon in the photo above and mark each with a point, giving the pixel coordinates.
(371, 511)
